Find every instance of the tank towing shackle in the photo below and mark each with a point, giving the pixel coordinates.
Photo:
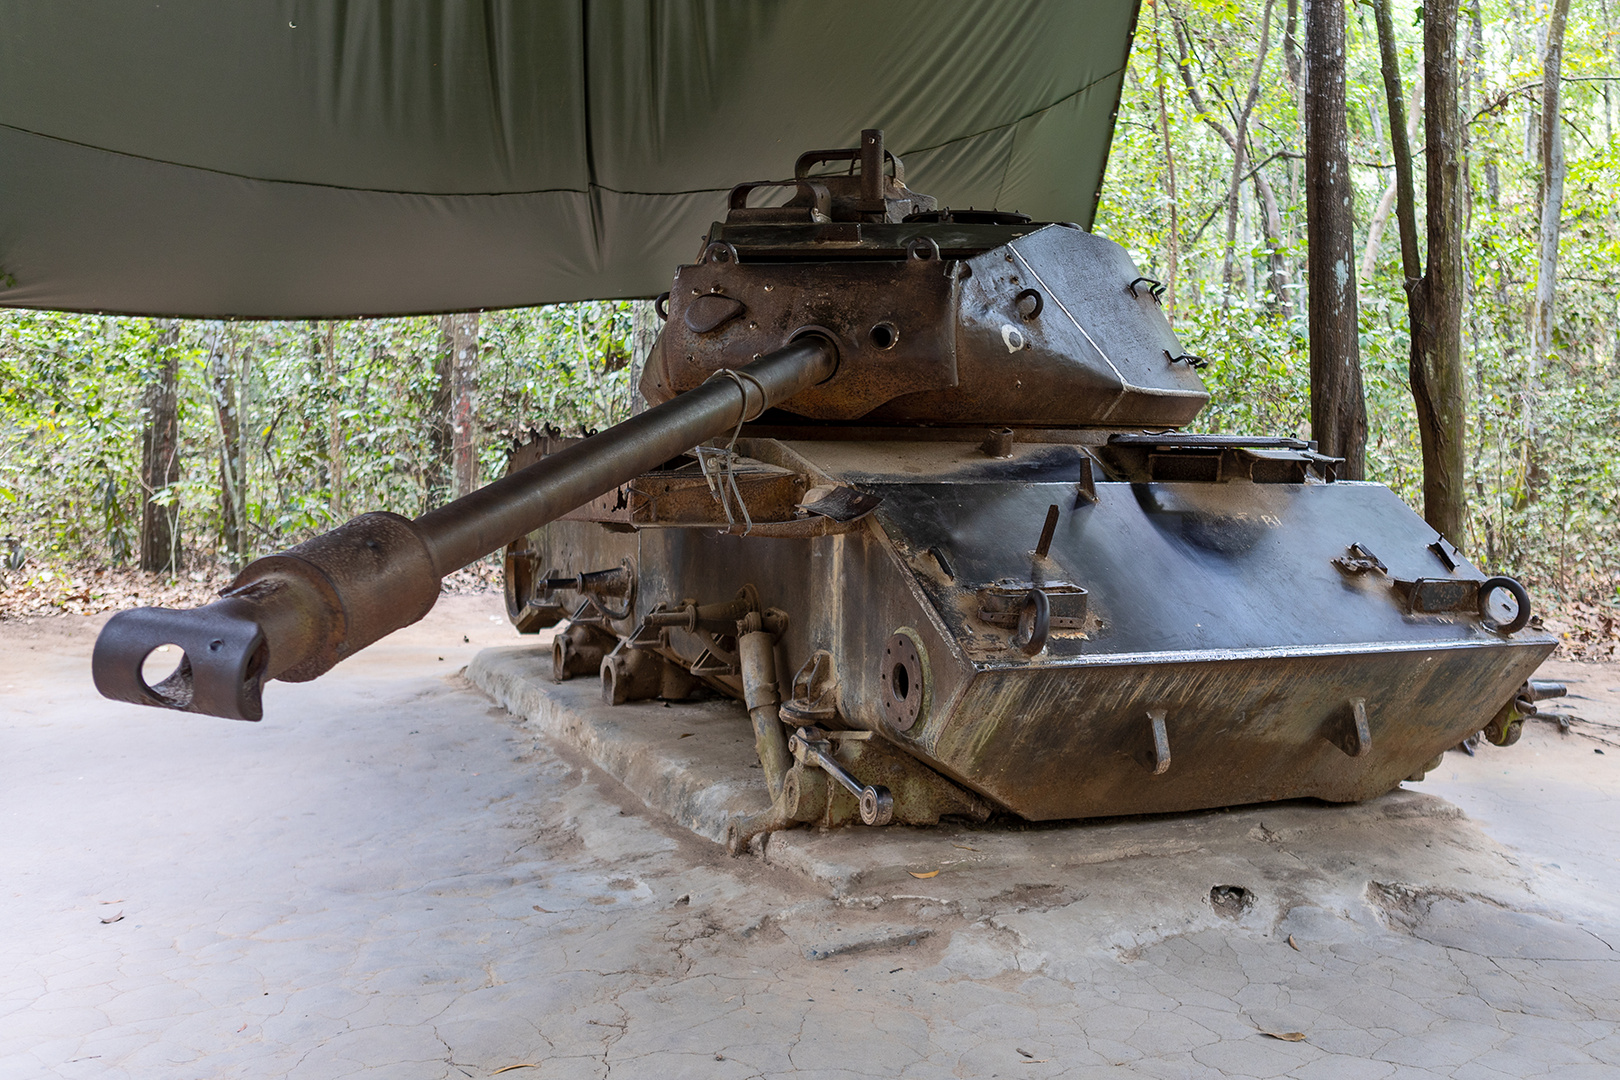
(293, 615)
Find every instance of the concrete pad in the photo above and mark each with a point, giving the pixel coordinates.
(389, 877)
(691, 761)
(695, 763)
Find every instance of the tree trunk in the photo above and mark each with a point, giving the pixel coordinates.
(643, 332)
(160, 456)
(1434, 296)
(232, 501)
(463, 398)
(1290, 46)
(1276, 259)
(1338, 408)
(1550, 132)
(1173, 255)
(1436, 365)
(440, 465)
(1552, 187)
(1403, 149)
(1401, 132)
(334, 421)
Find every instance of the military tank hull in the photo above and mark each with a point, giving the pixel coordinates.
(1205, 643)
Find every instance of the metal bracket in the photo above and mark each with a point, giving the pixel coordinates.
(1156, 756)
(815, 691)
(1358, 560)
(1348, 730)
(1429, 596)
(710, 664)
(1448, 555)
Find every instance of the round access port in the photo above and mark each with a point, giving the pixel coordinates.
(904, 678)
(884, 335)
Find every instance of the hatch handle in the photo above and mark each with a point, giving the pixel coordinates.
(1034, 623)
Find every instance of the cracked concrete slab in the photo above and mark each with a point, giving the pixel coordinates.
(391, 877)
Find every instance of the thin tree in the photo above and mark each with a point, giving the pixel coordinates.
(1386, 205)
(227, 411)
(334, 420)
(440, 464)
(1338, 407)
(1433, 295)
(643, 332)
(1236, 138)
(463, 400)
(1173, 256)
(1552, 208)
(160, 455)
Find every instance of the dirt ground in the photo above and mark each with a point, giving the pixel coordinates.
(389, 876)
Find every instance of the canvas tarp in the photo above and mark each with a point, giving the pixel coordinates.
(315, 158)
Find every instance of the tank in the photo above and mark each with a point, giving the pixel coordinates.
(911, 486)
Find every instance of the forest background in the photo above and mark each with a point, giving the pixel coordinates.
(253, 435)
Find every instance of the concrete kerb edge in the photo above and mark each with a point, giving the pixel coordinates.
(518, 679)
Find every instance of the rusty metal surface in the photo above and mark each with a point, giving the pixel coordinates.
(1096, 353)
(681, 496)
(1066, 741)
(893, 322)
(1040, 329)
(1202, 646)
(289, 616)
(1184, 567)
(295, 614)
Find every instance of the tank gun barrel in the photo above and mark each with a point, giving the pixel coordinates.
(293, 615)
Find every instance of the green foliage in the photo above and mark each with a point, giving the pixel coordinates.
(1542, 438)
(340, 417)
(69, 438)
(71, 417)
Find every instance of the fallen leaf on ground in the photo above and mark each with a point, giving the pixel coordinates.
(1031, 1058)
(965, 847)
(1285, 1036)
(88, 589)
(544, 911)
(519, 1065)
(1292, 944)
(112, 918)
(687, 734)
(931, 873)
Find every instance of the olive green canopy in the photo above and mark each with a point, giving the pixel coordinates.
(315, 158)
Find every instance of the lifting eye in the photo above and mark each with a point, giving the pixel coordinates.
(1029, 304)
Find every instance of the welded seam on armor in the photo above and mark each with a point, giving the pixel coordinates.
(1265, 652)
(1123, 385)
